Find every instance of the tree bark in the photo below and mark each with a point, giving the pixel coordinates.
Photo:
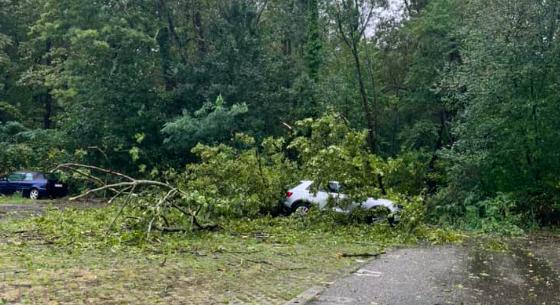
(48, 100)
(430, 182)
(164, 43)
(46, 97)
(200, 38)
(357, 27)
(408, 8)
(370, 121)
(374, 99)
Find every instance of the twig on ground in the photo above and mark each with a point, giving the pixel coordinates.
(360, 254)
(260, 262)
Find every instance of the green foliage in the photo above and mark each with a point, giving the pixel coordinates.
(10, 131)
(314, 46)
(248, 180)
(9, 113)
(507, 134)
(238, 182)
(213, 123)
(459, 98)
(329, 150)
(332, 151)
(422, 135)
(30, 149)
(4, 42)
(407, 174)
(15, 199)
(497, 215)
(86, 229)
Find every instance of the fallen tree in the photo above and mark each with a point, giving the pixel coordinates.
(129, 191)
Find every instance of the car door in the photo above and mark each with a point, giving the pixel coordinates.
(334, 190)
(320, 197)
(13, 183)
(4, 185)
(26, 182)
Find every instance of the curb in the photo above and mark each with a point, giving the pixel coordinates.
(312, 293)
(306, 296)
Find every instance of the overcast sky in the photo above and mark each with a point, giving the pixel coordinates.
(395, 10)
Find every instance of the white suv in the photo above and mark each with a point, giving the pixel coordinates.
(300, 198)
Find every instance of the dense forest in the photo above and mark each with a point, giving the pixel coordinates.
(455, 101)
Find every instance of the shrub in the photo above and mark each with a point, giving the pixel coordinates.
(238, 182)
(328, 149)
(30, 149)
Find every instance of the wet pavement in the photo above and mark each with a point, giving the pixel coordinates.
(523, 272)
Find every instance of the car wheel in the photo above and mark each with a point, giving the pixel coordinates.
(34, 194)
(379, 215)
(301, 208)
(392, 221)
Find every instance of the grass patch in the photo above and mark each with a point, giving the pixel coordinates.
(18, 198)
(15, 199)
(70, 255)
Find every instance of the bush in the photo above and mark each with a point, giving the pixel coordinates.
(238, 182)
(328, 149)
(408, 173)
(30, 149)
(499, 214)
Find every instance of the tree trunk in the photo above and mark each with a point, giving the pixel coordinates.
(408, 8)
(370, 121)
(46, 97)
(165, 54)
(47, 121)
(164, 43)
(374, 99)
(200, 39)
(430, 182)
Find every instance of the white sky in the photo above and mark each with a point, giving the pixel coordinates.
(394, 11)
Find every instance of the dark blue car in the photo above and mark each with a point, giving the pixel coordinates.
(33, 185)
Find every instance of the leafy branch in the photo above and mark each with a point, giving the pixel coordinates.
(126, 188)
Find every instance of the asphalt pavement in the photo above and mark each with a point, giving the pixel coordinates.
(527, 272)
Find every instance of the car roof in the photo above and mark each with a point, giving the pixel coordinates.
(35, 174)
(311, 182)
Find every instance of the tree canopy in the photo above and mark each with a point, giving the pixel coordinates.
(463, 93)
